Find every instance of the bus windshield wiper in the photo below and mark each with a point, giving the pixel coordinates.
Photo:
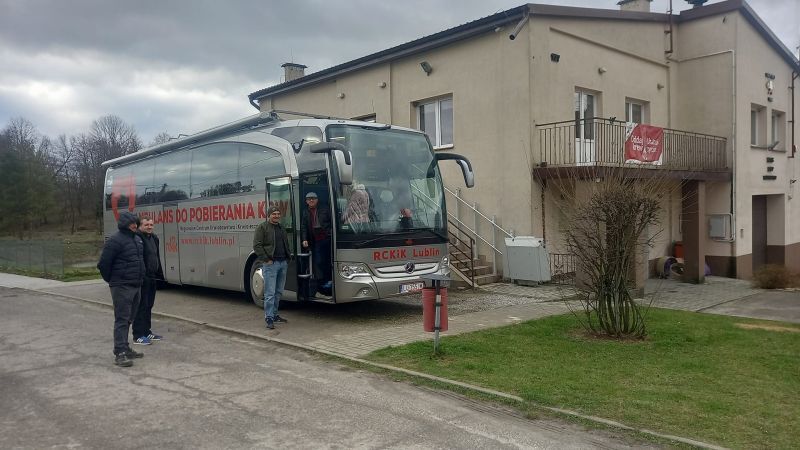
(373, 240)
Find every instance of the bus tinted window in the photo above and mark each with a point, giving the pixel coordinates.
(295, 135)
(119, 187)
(255, 164)
(143, 175)
(172, 176)
(214, 170)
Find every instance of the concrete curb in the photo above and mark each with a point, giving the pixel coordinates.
(482, 390)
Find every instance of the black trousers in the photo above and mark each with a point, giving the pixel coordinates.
(126, 301)
(141, 321)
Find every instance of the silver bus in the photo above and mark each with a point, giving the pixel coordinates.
(208, 192)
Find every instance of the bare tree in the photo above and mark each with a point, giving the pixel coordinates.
(610, 223)
(161, 138)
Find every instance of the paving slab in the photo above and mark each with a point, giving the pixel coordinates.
(770, 305)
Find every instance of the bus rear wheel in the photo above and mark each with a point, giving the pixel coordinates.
(255, 284)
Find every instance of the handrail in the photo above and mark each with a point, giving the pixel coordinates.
(491, 221)
(458, 250)
(475, 233)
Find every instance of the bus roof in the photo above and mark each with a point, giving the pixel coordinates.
(262, 121)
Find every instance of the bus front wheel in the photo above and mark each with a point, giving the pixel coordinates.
(255, 284)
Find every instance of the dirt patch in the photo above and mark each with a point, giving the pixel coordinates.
(753, 326)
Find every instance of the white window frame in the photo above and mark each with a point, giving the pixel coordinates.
(436, 137)
(643, 107)
(778, 130)
(758, 126)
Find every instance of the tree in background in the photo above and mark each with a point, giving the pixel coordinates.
(161, 138)
(43, 178)
(27, 185)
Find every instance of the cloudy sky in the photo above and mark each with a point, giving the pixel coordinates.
(181, 66)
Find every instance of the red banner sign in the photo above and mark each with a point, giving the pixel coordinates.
(644, 144)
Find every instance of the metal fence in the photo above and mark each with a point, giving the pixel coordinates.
(591, 142)
(562, 268)
(44, 257)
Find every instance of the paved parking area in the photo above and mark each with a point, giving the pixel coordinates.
(357, 329)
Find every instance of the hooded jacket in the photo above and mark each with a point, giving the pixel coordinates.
(122, 260)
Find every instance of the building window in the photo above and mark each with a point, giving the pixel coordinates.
(636, 111)
(585, 112)
(758, 125)
(778, 131)
(436, 120)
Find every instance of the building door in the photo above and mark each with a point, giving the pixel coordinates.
(169, 241)
(759, 231)
(584, 128)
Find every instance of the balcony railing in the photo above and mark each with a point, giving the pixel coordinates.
(601, 142)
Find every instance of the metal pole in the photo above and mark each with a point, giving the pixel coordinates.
(475, 224)
(438, 320)
(494, 245)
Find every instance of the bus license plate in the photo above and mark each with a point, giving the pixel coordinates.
(412, 287)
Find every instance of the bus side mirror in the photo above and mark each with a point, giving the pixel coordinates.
(463, 162)
(344, 161)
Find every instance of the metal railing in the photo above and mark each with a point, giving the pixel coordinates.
(44, 257)
(590, 142)
(562, 268)
(459, 255)
(484, 230)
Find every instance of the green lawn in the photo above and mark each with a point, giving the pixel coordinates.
(697, 375)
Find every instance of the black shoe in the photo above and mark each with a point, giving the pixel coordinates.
(122, 360)
(279, 319)
(270, 324)
(131, 354)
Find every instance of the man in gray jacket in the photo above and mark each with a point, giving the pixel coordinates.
(271, 245)
(122, 266)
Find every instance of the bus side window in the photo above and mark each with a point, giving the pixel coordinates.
(172, 177)
(214, 171)
(255, 164)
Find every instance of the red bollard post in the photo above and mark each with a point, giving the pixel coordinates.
(429, 309)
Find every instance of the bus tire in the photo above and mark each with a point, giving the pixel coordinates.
(254, 283)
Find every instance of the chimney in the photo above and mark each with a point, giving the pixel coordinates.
(634, 5)
(292, 71)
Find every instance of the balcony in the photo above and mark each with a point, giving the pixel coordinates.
(591, 147)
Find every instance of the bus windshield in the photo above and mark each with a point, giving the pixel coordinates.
(397, 187)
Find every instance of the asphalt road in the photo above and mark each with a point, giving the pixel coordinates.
(205, 389)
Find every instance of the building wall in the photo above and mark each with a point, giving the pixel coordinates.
(501, 89)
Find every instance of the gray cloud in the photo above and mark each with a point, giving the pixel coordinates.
(181, 66)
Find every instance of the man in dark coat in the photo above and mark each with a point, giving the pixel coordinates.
(122, 266)
(315, 231)
(142, 334)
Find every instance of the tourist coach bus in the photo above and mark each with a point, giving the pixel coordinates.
(208, 192)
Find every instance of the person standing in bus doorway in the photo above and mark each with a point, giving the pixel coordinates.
(271, 245)
(122, 266)
(316, 230)
(142, 334)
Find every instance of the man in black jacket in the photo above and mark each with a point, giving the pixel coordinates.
(315, 231)
(122, 266)
(142, 334)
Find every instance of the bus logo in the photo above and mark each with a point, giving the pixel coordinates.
(409, 267)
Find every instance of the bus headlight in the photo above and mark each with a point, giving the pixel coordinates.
(350, 270)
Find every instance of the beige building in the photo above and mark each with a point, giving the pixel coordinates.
(534, 92)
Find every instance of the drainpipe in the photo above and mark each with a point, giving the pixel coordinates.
(733, 138)
(794, 147)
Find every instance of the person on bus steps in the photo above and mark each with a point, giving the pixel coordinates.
(142, 334)
(315, 228)
(122, 266)
(271, 246)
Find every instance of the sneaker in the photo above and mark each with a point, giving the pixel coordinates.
(122, 360)
(132, 354)
(270, 324)
(279, 319)
(144, 340)
(154, 337)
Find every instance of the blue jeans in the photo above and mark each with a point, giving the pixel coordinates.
(274, 280)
